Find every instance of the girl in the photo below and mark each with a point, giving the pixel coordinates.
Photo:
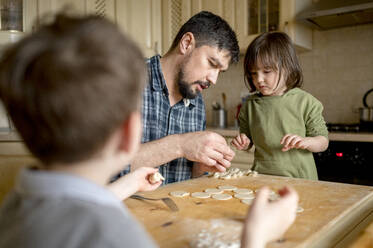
(284, 122)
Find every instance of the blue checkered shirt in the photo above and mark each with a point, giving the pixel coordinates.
(160, 119)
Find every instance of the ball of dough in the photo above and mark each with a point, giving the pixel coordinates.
(156, 177)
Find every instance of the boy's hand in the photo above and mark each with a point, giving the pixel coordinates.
(140, 177)
(267, 221)
(291, 141)
(241, 142)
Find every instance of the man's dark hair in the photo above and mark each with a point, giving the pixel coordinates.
(211, 30)
(274, 50)
(70, 85)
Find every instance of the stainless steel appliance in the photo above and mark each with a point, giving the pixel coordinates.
(346, 161)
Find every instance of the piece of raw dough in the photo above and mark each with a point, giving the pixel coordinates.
(214, 191)
(179, 193)
(222, 196)
(201, 195)
(156, 177)
(243, 191)
(300, 209)
(244, 196)
(247, 201)
(227, 187)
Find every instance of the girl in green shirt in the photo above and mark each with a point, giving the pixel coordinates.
(284, 122)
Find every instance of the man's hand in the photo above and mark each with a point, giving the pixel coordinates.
(208, 148)
(199, 169)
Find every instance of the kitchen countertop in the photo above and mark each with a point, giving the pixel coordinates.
(6, 136)
(333, 136)
(334, 213)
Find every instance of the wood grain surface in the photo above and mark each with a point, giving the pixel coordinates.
(331, 212)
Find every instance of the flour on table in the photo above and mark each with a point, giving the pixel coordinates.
(222, 196)
(201, 195)
(300, 209)
(179, 193)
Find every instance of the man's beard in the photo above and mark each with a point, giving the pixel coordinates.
(185, 88)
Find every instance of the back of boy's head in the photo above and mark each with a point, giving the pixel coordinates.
(70, 85)
(274, 50)
(211, 30)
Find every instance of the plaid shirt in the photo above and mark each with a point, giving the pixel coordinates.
(160, 119)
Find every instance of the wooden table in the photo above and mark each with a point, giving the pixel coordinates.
(333, 215)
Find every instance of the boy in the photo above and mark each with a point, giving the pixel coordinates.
(73, 91)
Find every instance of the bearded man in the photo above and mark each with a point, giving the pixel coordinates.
(173, 110)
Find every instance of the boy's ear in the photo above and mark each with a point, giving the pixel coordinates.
(131, 133)
(186, 43)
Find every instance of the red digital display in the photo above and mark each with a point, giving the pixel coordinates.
(339, 154)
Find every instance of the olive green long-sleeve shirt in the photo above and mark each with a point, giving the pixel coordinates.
(266, 119)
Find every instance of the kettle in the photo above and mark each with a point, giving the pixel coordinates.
(366, 113)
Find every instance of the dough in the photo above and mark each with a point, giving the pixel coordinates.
(300, 209)
(243, 191)
(247, 201)
(179, 193)
(201, 195)
(227, 187)
(222, 196)
(244, 196)
(214, 191)
(156, 177)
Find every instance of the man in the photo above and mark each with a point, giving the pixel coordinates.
(173, 109)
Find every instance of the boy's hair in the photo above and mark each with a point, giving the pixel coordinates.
(274, 50)
(211, 30)
(70, 85)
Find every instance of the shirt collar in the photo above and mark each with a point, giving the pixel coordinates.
(159, 84)
(59, 185)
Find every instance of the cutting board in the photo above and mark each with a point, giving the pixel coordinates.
(331, 212)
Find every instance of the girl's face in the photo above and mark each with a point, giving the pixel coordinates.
(266, 81)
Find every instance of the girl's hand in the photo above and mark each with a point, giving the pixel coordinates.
(291, 141)
(241, 142)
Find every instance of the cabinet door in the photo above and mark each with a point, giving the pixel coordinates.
(103, 8)
(257, 16)
(176, 12)
(141, 20)
(47, 7)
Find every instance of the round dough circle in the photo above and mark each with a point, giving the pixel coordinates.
(243, 191)
(227, 187)
(201, 195)
(247, 201)
(300, 209)
(222, 196)
(214, 191)
(179, 193)
(244, 196)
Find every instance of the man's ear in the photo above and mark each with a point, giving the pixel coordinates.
(131, 133)
(187, 43)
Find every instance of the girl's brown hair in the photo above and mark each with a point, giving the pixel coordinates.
(274, 50)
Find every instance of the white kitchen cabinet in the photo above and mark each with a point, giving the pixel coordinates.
(141, 20)
(248, 18)
(176, 12)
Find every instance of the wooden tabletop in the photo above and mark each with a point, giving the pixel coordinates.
(331, 212)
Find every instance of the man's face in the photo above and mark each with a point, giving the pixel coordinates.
(200, 69)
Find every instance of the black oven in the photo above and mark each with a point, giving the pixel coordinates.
(346, 161)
